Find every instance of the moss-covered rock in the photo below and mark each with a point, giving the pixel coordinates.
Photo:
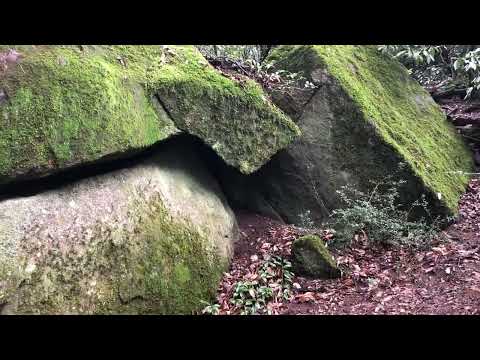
(236, 120)
(365, 118)
(310, 257)
(67, 105)
(154, 238)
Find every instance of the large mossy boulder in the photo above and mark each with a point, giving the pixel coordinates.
(153, 238)
(61, 106)
(365, 117)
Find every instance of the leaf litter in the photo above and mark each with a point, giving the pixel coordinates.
(444, 279)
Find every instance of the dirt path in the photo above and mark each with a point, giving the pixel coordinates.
(442, 280)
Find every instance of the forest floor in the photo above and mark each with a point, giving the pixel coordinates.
(444, 279)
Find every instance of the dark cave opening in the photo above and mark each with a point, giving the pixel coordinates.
(242, 192)
(29, 187)
(228, 177)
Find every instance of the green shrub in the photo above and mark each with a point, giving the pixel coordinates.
(380, 217)
(445, 66)
(305, 220)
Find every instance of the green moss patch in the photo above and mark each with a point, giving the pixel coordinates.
(312, 258)
(236, 120)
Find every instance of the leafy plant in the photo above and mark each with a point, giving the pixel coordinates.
(274, 284)
(305, 220)
(210, 309)
(443, 66)
(379, 216)
(250, 297)
(277, 270)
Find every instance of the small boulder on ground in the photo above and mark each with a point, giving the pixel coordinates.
(311, 258)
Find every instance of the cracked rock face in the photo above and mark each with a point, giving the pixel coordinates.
(153, 238)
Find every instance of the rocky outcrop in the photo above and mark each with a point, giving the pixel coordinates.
(365, 117)
(153, 238)
(62, 106)
(310, 257)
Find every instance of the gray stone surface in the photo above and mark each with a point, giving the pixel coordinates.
(153, 238)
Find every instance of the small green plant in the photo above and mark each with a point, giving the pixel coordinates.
(380, 216)
(210, 309)
(305, 220)
(278, 270)
(250, 297)
(275, 282)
